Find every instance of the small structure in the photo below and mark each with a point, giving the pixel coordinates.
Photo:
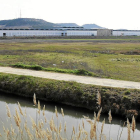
(104, 32)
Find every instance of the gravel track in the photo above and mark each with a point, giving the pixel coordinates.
(70, 77)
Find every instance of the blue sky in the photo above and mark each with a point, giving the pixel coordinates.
(113, 14)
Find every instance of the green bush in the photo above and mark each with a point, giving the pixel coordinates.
(36, 67)
(127, 92)
(83, 72)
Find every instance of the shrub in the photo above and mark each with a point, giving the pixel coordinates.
(127, 92)
(83, 72)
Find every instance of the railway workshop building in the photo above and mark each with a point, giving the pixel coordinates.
(67, 31)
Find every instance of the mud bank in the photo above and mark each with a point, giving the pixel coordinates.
(123, 102)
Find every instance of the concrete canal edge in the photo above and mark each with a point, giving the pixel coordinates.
(122, 102)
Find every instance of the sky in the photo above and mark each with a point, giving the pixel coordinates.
(112, 14)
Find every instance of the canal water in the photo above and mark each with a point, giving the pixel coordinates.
(73, 117)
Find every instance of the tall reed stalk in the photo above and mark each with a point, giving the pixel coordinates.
(43, 129)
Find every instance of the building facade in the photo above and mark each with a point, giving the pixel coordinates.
(67, 32)
(47, 32)
(104, 32)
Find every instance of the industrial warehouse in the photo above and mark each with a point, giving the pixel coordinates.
(67, 31)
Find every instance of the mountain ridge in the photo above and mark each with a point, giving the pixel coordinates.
(28, 23)
(32, 23)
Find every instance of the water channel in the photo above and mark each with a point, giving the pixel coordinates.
(73, 117)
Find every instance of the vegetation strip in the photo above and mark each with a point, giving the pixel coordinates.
(123, 102)
(38, 67)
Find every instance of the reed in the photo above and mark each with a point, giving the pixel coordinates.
(56, 112)
(98, 99)
(110, 120)
(65, 127)
(98, 115)
(20, 109)
(62, 112)
(17, 119)
(110, 117)
(73, 130)
(8, 111)
(128, 130)
(133, 124)
(34, 99)
(44, 110)
(48, 130)
(101, 134)
(39, 107)
(83, 124)
(60, 127)
(102, 126)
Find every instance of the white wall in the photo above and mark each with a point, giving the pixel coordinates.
(48, 32)
(30, 33)
(81, 33)
(68, 32)
(126, 33)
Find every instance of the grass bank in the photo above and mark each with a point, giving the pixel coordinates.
(123, 102)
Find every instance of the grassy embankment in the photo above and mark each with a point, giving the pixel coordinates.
(119, 60)
(122, 102)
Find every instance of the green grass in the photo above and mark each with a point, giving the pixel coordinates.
(37, 67)
(120, 60)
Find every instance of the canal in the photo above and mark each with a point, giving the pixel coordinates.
(73, 117)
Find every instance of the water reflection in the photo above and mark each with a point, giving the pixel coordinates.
(73, 116)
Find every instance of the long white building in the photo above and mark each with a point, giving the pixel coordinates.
(126, 32)
(67, 32)
(48, 32)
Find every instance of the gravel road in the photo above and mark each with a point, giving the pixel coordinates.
(70, 77)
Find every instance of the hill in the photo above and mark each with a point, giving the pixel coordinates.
(28, 23)
(68, 25)
(32, 23)
(91, 26)
(86, 26)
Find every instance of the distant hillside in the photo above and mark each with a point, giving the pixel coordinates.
(91, 26)
(29, 23)
(86, 26)
(32, 23)
(67, 24)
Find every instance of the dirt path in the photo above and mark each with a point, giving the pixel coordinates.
(69, 77)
